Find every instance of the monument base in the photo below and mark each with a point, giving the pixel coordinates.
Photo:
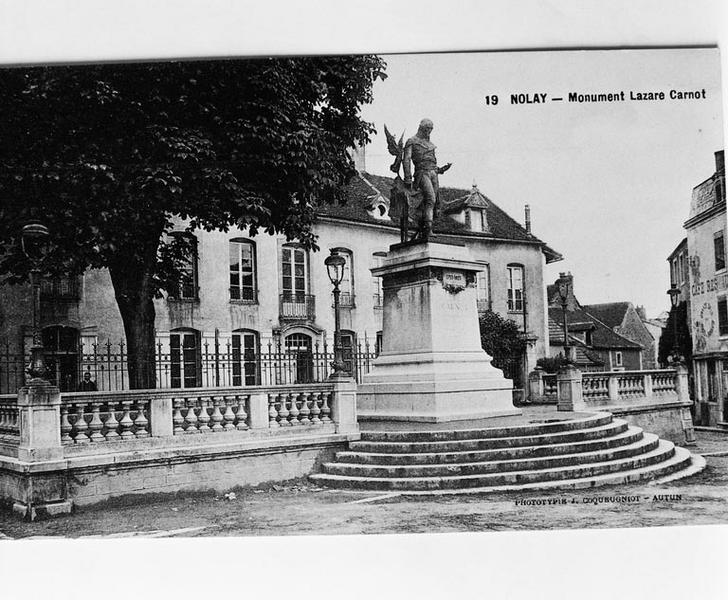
(432, 368)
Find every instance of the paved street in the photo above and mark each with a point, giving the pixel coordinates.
(299, 508)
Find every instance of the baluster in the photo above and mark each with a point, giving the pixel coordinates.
(204, 417)
(293, 411)
(283, 411)
(177, 418)
(315, 410)
(304, 412)
(273, 411)
(66, 427)
(111, 424)
(80, 425)
(126, 423)
(229, 416)
(325, 410)
(141, 423)
(95, 425)
(242, 416)
(191, 416)
(216, 417)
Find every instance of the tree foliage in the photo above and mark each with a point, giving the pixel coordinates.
(113, 157)
(677, 317)
(500, 338)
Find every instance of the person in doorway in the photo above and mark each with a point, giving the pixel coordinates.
(86, 384)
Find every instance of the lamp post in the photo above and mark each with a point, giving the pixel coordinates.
(335, 268)
(674, 294)
(564, 288)
(34, 243)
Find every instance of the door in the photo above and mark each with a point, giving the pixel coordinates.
(300, 347)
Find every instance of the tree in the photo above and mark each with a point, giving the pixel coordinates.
(112, 157)
(501, 339)
(678, 316)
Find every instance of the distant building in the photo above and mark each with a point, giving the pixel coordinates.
(254, 297)
(596, 346)
(704, 284)
(623, 318)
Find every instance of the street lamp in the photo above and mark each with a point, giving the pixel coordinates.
(564, 283)
(34, 242)
(674, 294)
(335, 268)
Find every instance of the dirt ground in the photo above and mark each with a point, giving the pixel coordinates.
(299, 508)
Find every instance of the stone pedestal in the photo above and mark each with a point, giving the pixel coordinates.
(432, 367)
(569, 390)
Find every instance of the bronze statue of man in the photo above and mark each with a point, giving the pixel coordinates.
(421, 151)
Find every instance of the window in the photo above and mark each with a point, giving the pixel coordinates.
(187, 288)
(243, 285)
(719, 246)
(617, 359)
(483, 289)
(184, 351)
(722, 316)
(377, 259)
(245, 358)
(60, 351)
(294, 269)
(515, 288)
(477, 222)
(681, 267)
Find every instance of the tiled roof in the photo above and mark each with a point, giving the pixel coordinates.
(363, 189)
(610, 313)
(602, 337)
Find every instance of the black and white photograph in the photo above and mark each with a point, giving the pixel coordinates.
(344, 294)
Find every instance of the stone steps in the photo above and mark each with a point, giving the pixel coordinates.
(485, 443)
(648, 443)
(566, 453)
(628, 436)
(662, 453)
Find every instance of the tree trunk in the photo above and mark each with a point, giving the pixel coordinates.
(135, 298)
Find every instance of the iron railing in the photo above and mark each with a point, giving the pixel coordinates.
(297, 307)
(209, 365)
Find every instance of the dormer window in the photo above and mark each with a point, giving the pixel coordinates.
(477, 220)
(378, 207)
(470, 210)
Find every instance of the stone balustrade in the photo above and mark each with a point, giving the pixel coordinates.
(609, 386)
(9, 415)
(90, 419)
(103, 417)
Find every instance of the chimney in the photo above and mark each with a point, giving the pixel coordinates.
(641, 313)
(719, 162)
(527, 210)
(358, 155)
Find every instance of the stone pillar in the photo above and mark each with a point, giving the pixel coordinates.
(535, 384)
(681, 383)
(613, 386)
(568, 383)
(259, 418)
(683, 395)
(648, 385)
(160, 417)
(343, 406)
(39, 420)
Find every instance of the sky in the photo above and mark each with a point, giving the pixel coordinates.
(609, 184)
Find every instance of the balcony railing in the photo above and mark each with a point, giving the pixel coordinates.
(59, 288)
(297, 307)
(346, 300)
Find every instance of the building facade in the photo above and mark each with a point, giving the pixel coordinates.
(259, 310)
(705, 283)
